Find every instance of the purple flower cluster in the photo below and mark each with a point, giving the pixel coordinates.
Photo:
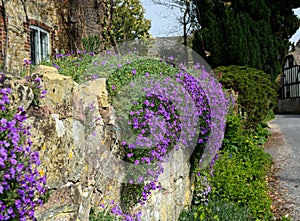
(117, 211)
(35, 82)
(27, 62)
(183, 111)
(219, 106)
(171, 115)
(56, 66)
(21, 186)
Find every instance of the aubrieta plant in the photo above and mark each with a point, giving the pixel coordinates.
(170, 131)
(164, 102)
(22, 188)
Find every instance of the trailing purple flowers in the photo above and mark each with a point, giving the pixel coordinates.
(21, 186)
(171, 110)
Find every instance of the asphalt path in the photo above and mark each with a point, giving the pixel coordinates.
(288, 155)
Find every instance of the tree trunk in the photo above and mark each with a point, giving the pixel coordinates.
(87, 18)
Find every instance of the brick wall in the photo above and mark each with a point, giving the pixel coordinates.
(2, 36)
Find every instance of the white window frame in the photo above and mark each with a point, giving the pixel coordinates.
(38, 57)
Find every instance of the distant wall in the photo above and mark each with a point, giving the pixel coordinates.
(289, 106)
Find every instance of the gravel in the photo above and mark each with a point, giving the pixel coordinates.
(284, 179)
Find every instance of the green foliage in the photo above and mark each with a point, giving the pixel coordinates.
(217, 210)
(91, 43)
(121, 77)
(270, 116)
(253, 33)
(200, 213)
(102, 216)
(261, 133)
(72, 64)
(257, 95)
(240, 171)
(128, 22)
(240, 179)
(285, 218)
(238, 187)
(130, 195)
(233, 131)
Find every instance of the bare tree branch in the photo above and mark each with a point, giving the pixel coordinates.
(185, 7)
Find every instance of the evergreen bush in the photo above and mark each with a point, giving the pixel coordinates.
(256, 92)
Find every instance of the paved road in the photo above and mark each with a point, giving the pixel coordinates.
(289, 158)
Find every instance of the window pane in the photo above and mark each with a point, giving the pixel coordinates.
(39, 45)
(34, 47)
(44, 45)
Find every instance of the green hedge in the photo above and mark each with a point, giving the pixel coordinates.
(257, 94)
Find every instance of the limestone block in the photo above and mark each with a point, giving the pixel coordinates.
(54, 139)
(71, 152)
(21, 95)
(59, 87)
(175, 194)
(95, 88)
(62, 213)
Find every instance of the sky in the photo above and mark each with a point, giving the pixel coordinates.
(163, 19)
(164, 22)
(296, 36)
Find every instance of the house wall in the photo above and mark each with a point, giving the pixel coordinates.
(19, 17)
(87, 18)
(289, 61)
(67, 21)
(290, 83)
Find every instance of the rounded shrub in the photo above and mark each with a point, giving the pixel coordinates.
(256, 92)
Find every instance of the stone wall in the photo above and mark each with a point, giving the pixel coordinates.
(288, 106)
(74, 150)
(176, 192)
